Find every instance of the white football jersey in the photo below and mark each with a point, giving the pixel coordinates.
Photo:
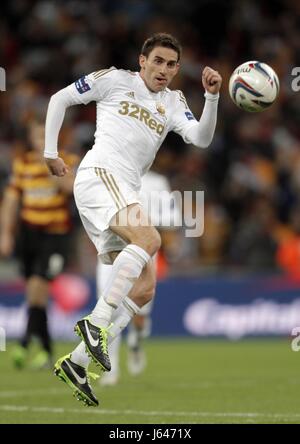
(132, 122)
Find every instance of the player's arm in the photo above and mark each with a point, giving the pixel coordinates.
(8, 220)
(92, 87)
(58, 104)
(200, 133)
(211, 80)
(66, 182)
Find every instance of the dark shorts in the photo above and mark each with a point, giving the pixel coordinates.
(41, 253)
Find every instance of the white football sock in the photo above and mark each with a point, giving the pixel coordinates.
(125, 271)
(121, 318)
(113, 351)
(80, 356)
(102, 313)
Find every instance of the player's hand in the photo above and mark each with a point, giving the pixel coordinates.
(211, 80)
(57, 167)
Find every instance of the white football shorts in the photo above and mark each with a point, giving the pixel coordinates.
(99, 195)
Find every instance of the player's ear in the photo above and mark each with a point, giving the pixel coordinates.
(142, 61)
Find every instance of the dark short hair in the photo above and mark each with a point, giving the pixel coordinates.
(161, 39)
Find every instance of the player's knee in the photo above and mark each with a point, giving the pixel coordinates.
(147, 238)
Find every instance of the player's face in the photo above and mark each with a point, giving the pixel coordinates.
(159, 68)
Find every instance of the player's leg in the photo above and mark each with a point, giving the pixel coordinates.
(136, 361)
(141, 293)
(37, 296)
(77, 378)
(73, 368)
(138, 330)
(29, 246)
(110, 246)
(102, 274)
(37, 290)
(96, 208)
(136, 356)
(112, 377)
(25, 253)
(144, 241)
(50, 260)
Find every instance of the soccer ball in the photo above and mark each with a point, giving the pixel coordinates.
(253, 86)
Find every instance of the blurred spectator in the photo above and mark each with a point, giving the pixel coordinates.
(288, 252)
(35, 209)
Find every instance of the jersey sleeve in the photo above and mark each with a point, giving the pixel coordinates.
(182, 118)
(94, 86)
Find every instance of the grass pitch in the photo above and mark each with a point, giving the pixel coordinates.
(186, 381)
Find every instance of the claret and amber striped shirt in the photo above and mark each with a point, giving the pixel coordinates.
(43, 204)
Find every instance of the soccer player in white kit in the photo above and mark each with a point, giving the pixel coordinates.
(135, 111)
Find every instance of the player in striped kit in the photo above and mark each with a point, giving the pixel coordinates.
(36, 211)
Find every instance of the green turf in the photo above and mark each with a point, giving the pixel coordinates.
(186, 381)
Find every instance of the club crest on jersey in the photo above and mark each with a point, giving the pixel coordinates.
(189, 115)
(161, 109)
(82, 86)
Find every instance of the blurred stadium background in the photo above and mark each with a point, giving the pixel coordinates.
(241, 278)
